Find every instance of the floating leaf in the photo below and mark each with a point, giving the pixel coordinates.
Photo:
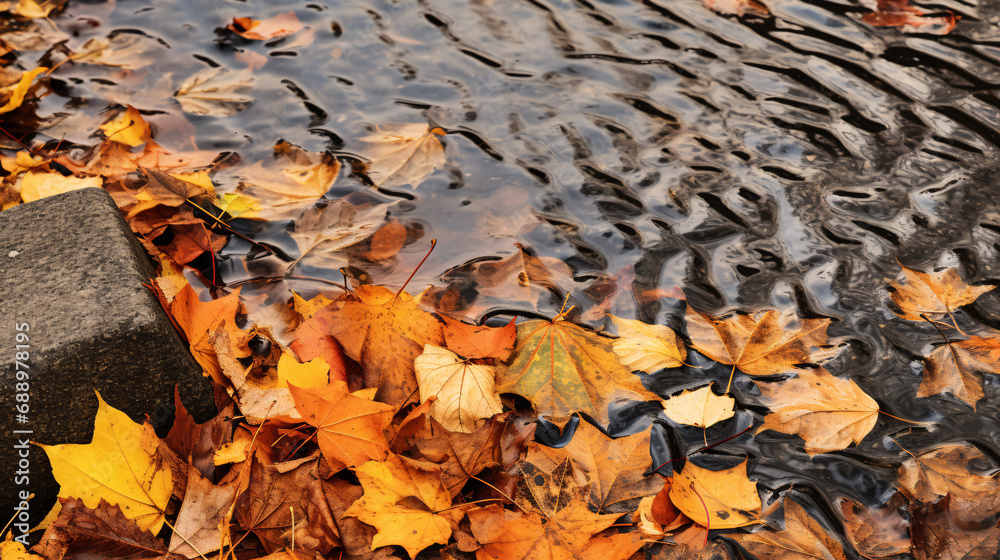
(941, 292)
(955, 368)
(701, 408)
(803, 538)
(216, 92)
(730, 497)
(402, 153)
(280, 25)
(647, 348)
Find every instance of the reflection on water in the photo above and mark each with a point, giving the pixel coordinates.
(779, 161)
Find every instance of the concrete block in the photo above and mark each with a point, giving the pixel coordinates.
(74, 314)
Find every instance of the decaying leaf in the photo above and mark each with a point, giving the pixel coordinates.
(122, 465)
(803, 538)
(280, 25)
(828, 412)
(730, 498)
(551, 489)
(701, 408)
(647, 348)
(287, 184)
(955, 471)
(938, 535)
(461, 456)
(955, 368)
(103, 531)
(562, 368)
(407, 503)
(614, 467)
(933, 294)
(464, 390)
(216, 92)
(199, 528)
(910, 19)
(326, 229)
(875, 532)
(764, 343)
(402, 153)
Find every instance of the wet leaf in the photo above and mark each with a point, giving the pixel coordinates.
(128, 127)
(36, 184)
(951, 470)
(203, 519)
(407, 503)
(260, 393)
(701, 408)
(803, 538)
(875, 532)
(937, 536)
(461, 456)
(917, 293)
(280, 25)
(764, 343)
(287, 184)
(402, 153)
(103, 531)
(828, 412)
(197, 319)
(615, 467)
(464, 390)
(911, 19)
(129, 51)
(647, 348)
(373, 319)
(215, 92)
(736, 7)
(348, 425)
(475, 341)
(548, 490)
(562, 368)
(955, 368)
(121, 465)
(326, 229)
(729, 497)
(13, 95)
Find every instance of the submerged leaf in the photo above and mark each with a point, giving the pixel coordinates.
(402, 153)
(216, 92)
(918, 293)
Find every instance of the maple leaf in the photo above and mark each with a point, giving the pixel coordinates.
(14, 94)
(803, 538)
(875, 532)
(736, 7)
(37, 184)
(910, 19)
(828, 412)
(128, 127)
(950, 470)
(941, 292)
(402, 153)
(614, 467)
(260, 393)
(562, 368)
(216, 92)
(287, 184)
(938, 536)
(764, 343)
(103, 531)
(953, 367)
(475, 341)
(202, 526)
(728, 496)
(196, 319)
(123, 465)
(196, 443)
(549, 490)
(464, 390)
(312, 339)
(461, 456)
(648, 348)
(515, 535)
(327, 228)
(374, 319)
(407, 503)
(701, 408)
(129, 51)
(274, 27)
(348, 425)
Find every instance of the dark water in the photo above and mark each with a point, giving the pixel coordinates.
(755, 162)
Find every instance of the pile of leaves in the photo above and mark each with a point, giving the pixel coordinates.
(360, 423)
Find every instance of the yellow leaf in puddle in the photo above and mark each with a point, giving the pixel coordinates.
(40, 184)
(647, 348)
(15, 93)
(729, 496)
(128, 128)
(308, 308)
(701, 408)
(402, 153)
(121, 465)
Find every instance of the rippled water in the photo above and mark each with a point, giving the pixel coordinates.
(762, 161)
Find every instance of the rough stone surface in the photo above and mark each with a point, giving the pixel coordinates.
(71, 269)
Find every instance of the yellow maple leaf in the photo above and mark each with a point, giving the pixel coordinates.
(728, 497)
(314, 373)
(128, 128)
(464, 390)
(648, 348)
(37, 184)
(15, 92)
(120, 465)
(701, 408)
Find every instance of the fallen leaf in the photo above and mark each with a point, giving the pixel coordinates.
(941, 292)
(36, 184)
(199, 528)
(260, 393)
(701, 408)
(14, 550)
(730, 498)
(324, 230)
(952, 470)
(875, 532)
(550, 489)
(287, 184)
(128, 127)
(955, 368)
(103, 531)
(129, 51)
(647, 348)
(308, 308)
(828, 412)
(314, 373)
(614, 467)
(121, 465)
(475, 341)
(937, 536)
(803, 538)
(14, 94)
(36, 9)
(911, 19)
(460, 456)
(280, 25)
(216, 92)
(402, 153)
(197, 319)
(464, 390)
(348, 425)
(312, 339)
(764, 343)
(197, 442)
(408, 505)
(736, 7)
(562, 368)
(386, 242)
(374, 318)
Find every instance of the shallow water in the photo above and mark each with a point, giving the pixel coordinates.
(753, 162)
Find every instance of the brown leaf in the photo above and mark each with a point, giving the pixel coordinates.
(549, 490)
(198, 442)
(461, 456)
(386, 242)
(954, 368)
(615, 467)
(953, 470)
(764, 343)
(937, 293)
(104, 531)
(203, 512)
(911, 19)
(475, 341)
(374, 319)
(938, 536)
(803, 538)
(736, 7)
(216, 92)
(875, 532)
(828, 412)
